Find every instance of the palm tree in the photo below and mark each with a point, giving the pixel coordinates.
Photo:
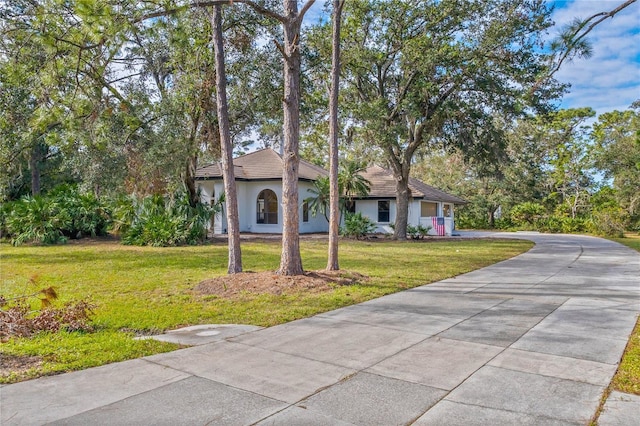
(351, 182)
(319, 202)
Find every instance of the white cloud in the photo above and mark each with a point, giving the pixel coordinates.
(610, 78)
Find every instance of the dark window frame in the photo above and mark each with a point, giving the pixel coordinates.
(350, 206)
(384, 210)
(305, 211)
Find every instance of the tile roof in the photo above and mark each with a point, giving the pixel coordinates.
(266, 164)
(383, 185)
(263, 164)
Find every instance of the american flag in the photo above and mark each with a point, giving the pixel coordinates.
(438, 225)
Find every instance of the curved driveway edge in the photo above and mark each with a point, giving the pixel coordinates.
(531, 340)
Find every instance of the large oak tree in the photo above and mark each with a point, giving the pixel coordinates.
(422, 74)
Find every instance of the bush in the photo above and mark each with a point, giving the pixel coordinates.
(52, 219)
(85, 214)
(527, 214)
(551, 224)
(417, 232)
(609, 222)
(357, 226)
(160, 222)
(35, 219)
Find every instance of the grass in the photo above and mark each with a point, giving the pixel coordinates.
(144, 290)
(630, 240)
(627, 378)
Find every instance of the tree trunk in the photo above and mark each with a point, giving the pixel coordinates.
(226, 148)
(402, 208)
(334, 196)
(189, 179)
(290, 260)
(401, 168)
(492, 218)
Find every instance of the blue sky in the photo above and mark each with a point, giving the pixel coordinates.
(610, 78)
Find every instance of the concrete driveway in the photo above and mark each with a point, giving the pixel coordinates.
(531, 340)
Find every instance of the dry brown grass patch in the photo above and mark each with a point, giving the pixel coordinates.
(16, 364)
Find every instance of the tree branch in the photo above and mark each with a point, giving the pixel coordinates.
(305, 9)
(403, 93)
(585, 28)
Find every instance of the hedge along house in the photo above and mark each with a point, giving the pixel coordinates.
(259, 187)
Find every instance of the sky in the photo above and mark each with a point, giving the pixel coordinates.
(610, 78)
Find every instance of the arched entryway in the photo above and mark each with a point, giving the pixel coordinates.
(267, 207)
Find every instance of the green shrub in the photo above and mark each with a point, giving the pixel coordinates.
(163, 221)
(572, 225)
(610, 222)
(123, 213)
(417, 232)
(53, 218)
(83, 214)
(551, 224)
(468, 217)
(526, 215)
(357, 226)
(36, 219)
(504, 223)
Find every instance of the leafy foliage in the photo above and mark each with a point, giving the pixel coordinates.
(35, 219)
(164, 221)
(357, 226)
(319, 201)
(582, 178)
(53, 218)
(351, 184)
(417, 232)
(527, 214)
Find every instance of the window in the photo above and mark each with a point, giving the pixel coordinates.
(383, 211)
(350, 206)
(305, 211)
(428, 209)
(446, 210)
(267, 207)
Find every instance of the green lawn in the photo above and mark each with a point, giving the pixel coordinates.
(140, 290)
(630, 240)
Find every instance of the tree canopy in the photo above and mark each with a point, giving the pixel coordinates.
(123, 97)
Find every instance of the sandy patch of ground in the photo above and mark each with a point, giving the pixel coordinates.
(272, 283)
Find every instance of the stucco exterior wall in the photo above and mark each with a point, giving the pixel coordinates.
(369, 208)
(247, 201)
(247, 207)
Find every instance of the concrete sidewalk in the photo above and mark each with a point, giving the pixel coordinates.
(532, 340)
